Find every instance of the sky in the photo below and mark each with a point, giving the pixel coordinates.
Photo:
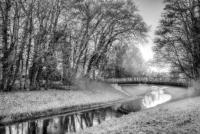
(151, 11)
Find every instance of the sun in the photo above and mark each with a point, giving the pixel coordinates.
(146, 51)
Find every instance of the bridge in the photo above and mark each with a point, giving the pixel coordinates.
(182, 82)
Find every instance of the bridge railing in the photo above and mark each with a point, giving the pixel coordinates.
(153, 80)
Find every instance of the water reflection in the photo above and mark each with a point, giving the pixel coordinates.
(73, 123)
(152, 98)
(62, 124)
(155, 97)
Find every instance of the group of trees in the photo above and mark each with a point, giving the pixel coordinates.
(40, 38)
(178, 37)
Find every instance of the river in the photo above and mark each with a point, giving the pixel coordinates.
(148, 96)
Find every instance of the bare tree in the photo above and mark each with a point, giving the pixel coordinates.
(37, 36)
(178, 36)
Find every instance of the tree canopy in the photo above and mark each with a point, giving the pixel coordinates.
(178, 36)
(40, 38)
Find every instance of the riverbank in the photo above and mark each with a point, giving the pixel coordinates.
(180, 117)
(16, 106)
(30, 105)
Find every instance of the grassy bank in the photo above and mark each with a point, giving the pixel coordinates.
(182, 117)
(27, 103)
(20, 106)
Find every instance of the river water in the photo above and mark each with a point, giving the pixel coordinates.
(63, 124)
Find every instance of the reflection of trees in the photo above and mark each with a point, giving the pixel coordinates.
(81, 121)
(60, 125)
(32, 127)
(72, 123)
(17, 127)
(101, 115)
(14, 129)
(66, 123)
(88, 117)
(2, 130)
(10, 129)
(98, 116)
(45, 125)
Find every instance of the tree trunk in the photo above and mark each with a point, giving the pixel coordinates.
(6, 66)
(34, 74)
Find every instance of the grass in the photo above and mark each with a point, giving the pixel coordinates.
(31, 101)
(179, 117)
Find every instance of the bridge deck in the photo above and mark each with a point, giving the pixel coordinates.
(148, 80)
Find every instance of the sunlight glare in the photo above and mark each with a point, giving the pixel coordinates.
(155, 69)
(147, 52)
(155, 98)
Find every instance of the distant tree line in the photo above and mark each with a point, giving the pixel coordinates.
(62, 39)
(178, 37)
